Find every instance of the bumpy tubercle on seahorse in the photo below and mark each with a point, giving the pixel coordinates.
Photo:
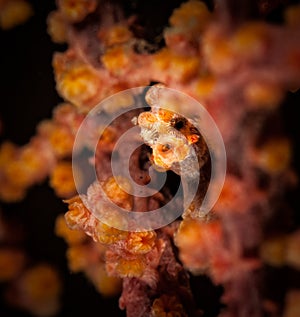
(176, 144)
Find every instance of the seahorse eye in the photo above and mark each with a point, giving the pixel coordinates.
(165, 147)
(179, 125)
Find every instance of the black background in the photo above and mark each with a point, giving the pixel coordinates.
(27, 96)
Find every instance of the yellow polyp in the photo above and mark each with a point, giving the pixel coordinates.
(26, 169)
(117, 190)
(273, 251)
(192, 16)
(56, 27)
(77, 212)
(198, 236)
(274, 156)
(292, 16)
(189, 232)
(117, 34)
(205, 85)
(250, 40)
(115, 59)
(77, 256)
(76, 10)
(65, 111)
(227, 196)
(218, 53)
(78, 84)
(109, 235)
(133, 267)
(70, 236)
(14, 13)
(108, 136)
(7, 153)
(108, 285)
(118, 101)
(167, 306)
(41, 283)
(62, 181)
(292, 303)
(44, 128)
(10, 192)
(30, 158)
(11, 263)
(141, 242)
(61, 141)
(293, 250)
(161, 60)
(264, 95)
(185, 67)
(181, 68)
(17, 174)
